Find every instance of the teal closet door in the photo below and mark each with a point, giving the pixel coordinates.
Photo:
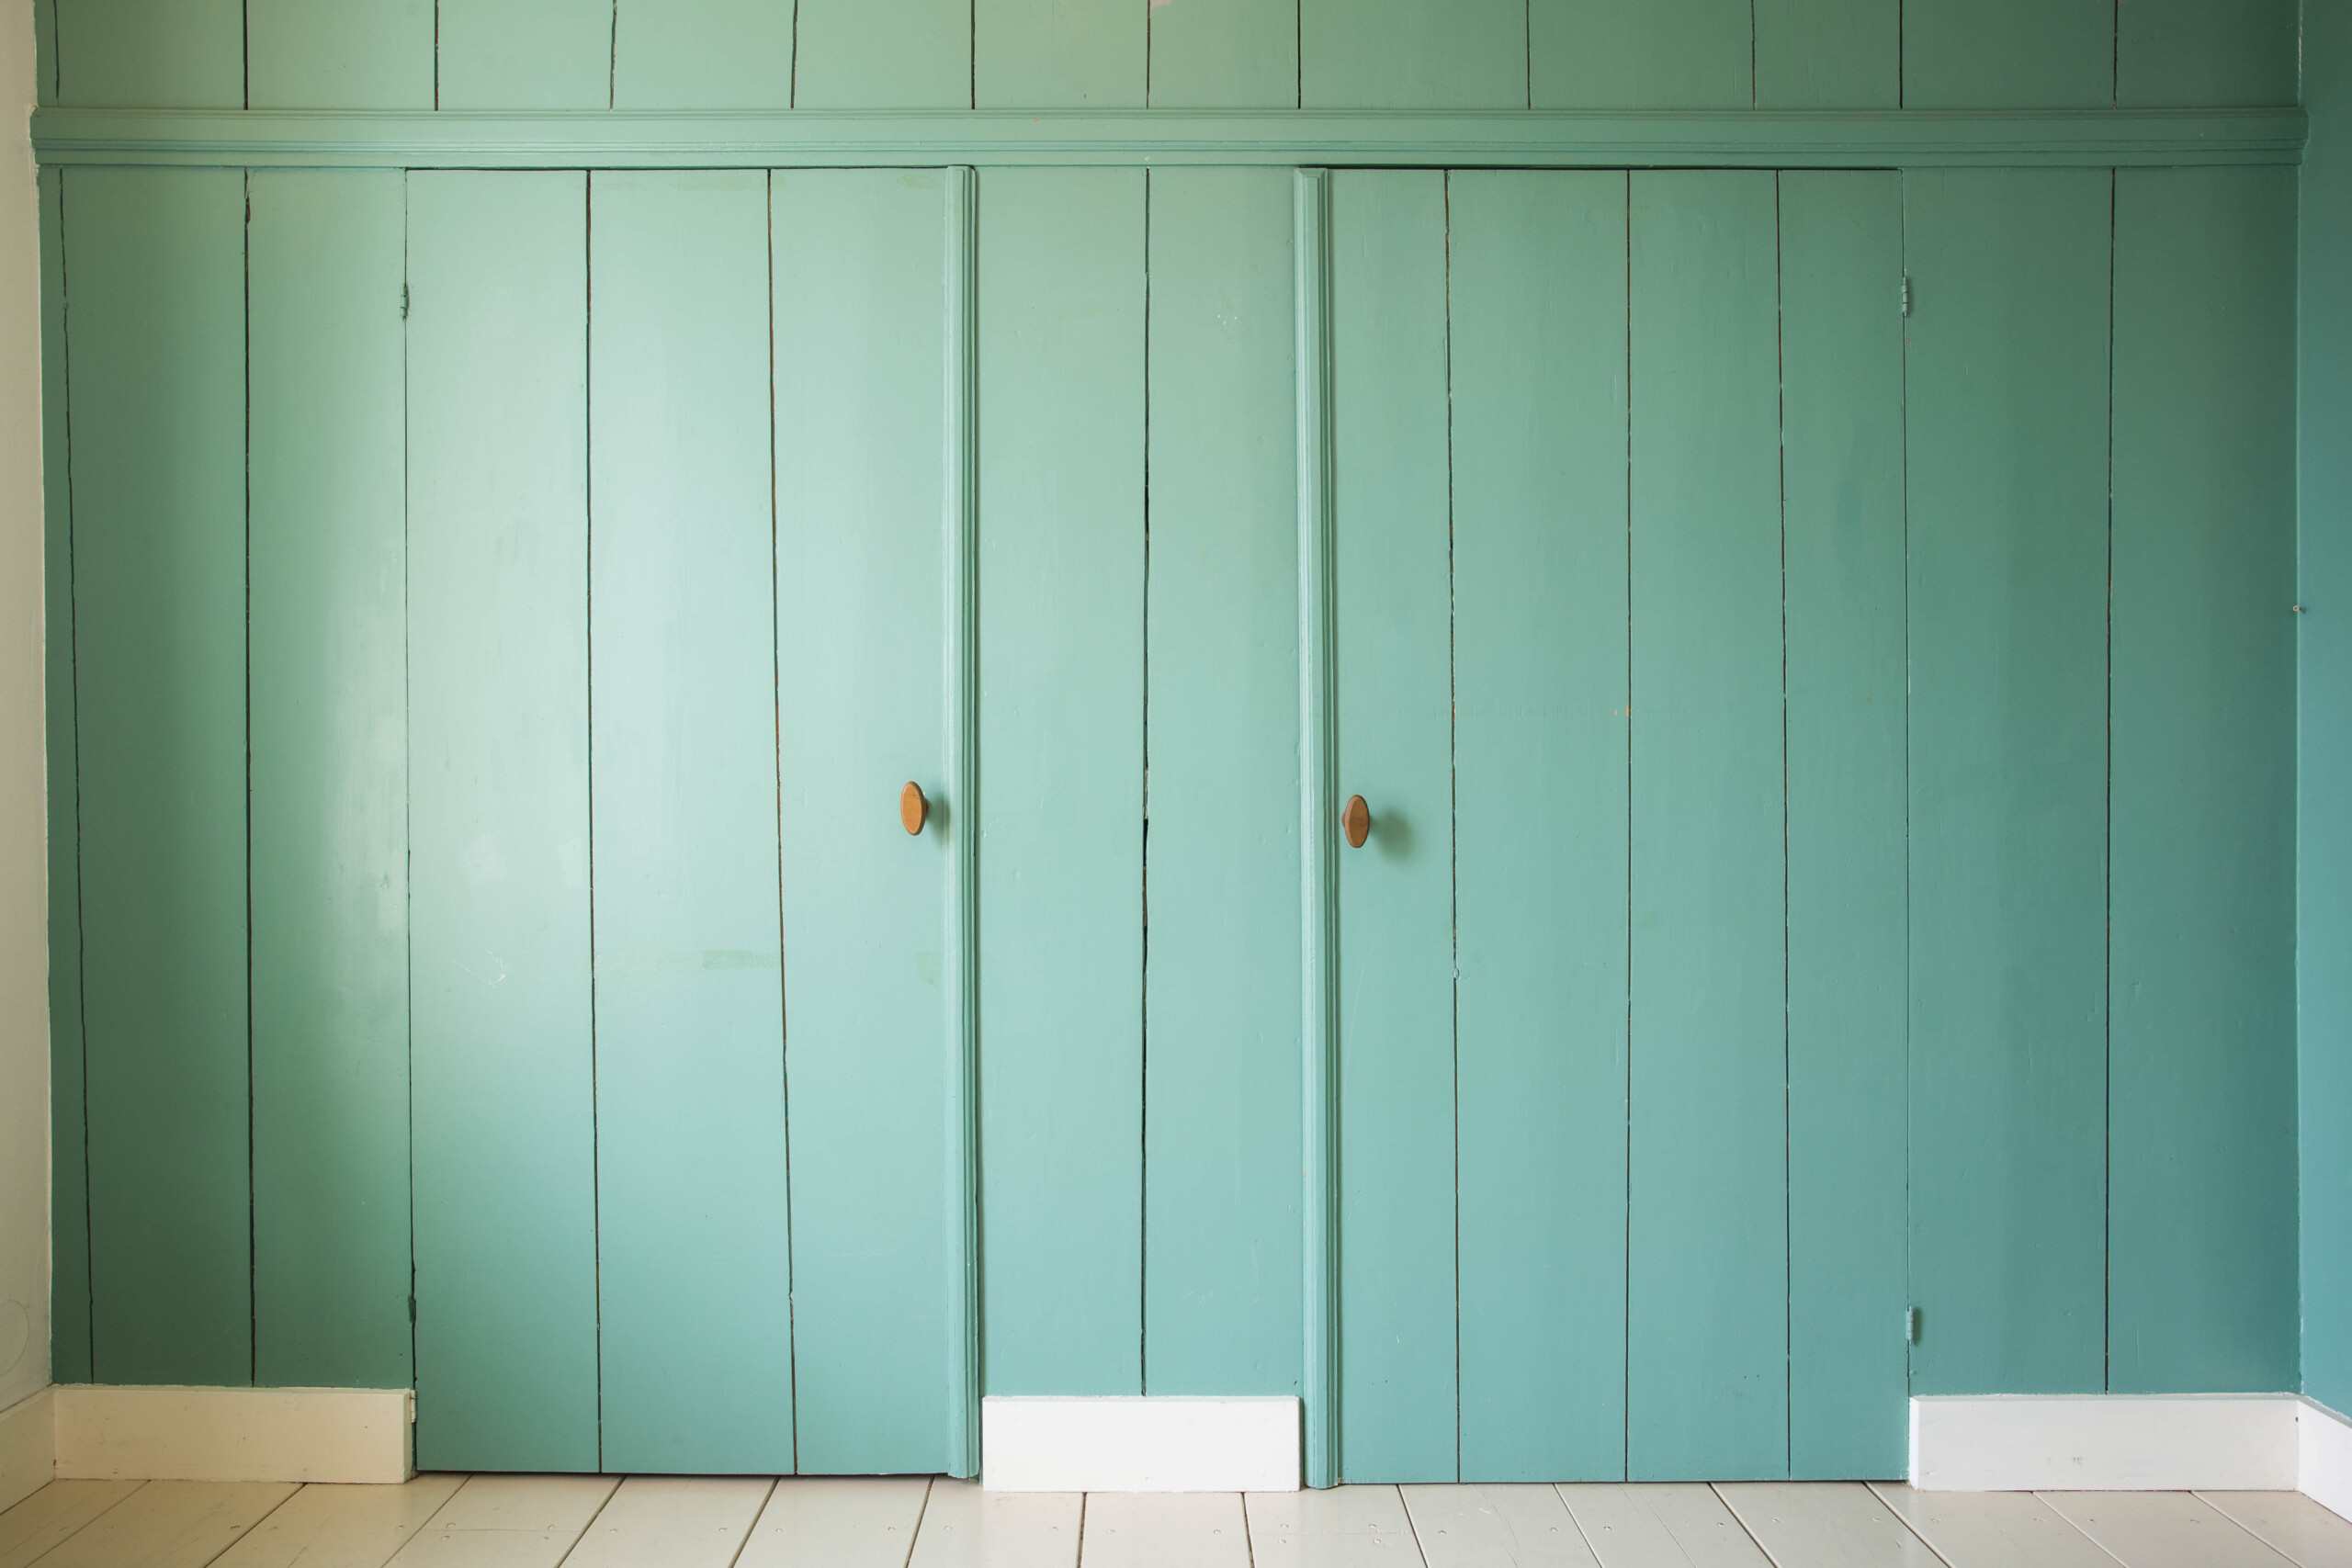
(503, 1080)
(1397, 1085)
(695, 1273)
(862, 577)
(1707, 1267)
(1538, 324)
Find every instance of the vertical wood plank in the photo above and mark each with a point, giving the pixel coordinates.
(1841, 336)
(862, 662)
(356, 55)
(2008, 54)
(157, 340)
(2006, 456)
(152, 53)
(68, 1260)
(1397, 1076)
(695, 1253)
(1219, 54)
(882, 54)
(1681, 54)
(1062, 325)
(1413, 54)
(1058, 54)
(2201, 1221)
(524, 54)
(1538, 333)
(329, 761)
(2185, 53)
(1707, 1262)
(1221, 1002)
(1829, 54)
(501, 1041)
(702, 54)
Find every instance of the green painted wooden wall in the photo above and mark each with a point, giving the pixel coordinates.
(1831, 766)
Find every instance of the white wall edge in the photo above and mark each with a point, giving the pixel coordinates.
(105, 1433)
(28, 1446)
(2106, 1443)
(1155, 1443)
(2324, 1456)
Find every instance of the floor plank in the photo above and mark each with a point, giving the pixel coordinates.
(343, 1526)
(1345, 1527)
(963, 1526)
(1824, 1524)
(34, 1526)
(679, 1521)
(826, 1523)
(1661, 1526)
(509, 1521)
(1165, 1530)
(2306, 1532)
(171, 1524)
(1991, 1530)
(1496, 1527)
(2163, 1529)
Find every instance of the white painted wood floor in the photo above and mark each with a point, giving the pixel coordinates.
(540, 1521)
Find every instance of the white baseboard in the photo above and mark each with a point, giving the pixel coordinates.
(1160, 1443)
(106, 1433)
(2113, 1442)
(28, 1446)
(2324, 1463)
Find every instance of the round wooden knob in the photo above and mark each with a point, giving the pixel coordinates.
(912, 807)
(1355, 821)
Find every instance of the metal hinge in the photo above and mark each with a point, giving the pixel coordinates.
(1906, 293)
(1911, 1325)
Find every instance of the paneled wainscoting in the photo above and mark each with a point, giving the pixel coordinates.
(539, 1521)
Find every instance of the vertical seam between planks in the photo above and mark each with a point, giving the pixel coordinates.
(1788, 1180)
(1143, 997)
(245, 72)
(1625, 1337)
(1527, 46)
(437, 62)
(252, 1241)
(782, 937)
(613, 58)
(959, 503)
(923, 1511)
(1453, 807)
(588, 534)
(2107, 867)
(792, 99)
(408, 773)
(1903, 339)
(73, 645)
(1751, 91)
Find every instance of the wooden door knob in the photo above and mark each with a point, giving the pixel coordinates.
(912, 807)
(1355, 821)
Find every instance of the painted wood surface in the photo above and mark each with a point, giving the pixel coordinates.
(2201, 987)
(512, 54)
(1825, 1527)
(843, 1524)
(327, 632)
(2303, 1531)
(1056, 54)
(1841, 400)
(69, 1204)
(692, 1235)
(157, 262)
(1538, 347)
(502, 1043)
(2207, 52)
(963, 1526)
(152, 53)
(2009, 53)
(1165, 1530)
(1224, 55)
(678, 1521)
(358, 55)
(1061, 563)
(1413, 54)
(1221, 1001)
(1829, 54)
(702, 54)
(1344, 1527)
(1675, 1526)
(859, 54)
(510, 1521)
(342, 1526)
(1604, 54)
(1981, 1530)
(33, 1528)
(2006, 459)
(862, 672)
(1396, 900)
(1495, 1527)
(2163, 1529)
(1707, 1260)
(171, 1524)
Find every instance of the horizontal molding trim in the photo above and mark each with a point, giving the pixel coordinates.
(28, 1446)
(105, 1433)
(2113, 1442)
(611, 138)
(1159, 1443)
